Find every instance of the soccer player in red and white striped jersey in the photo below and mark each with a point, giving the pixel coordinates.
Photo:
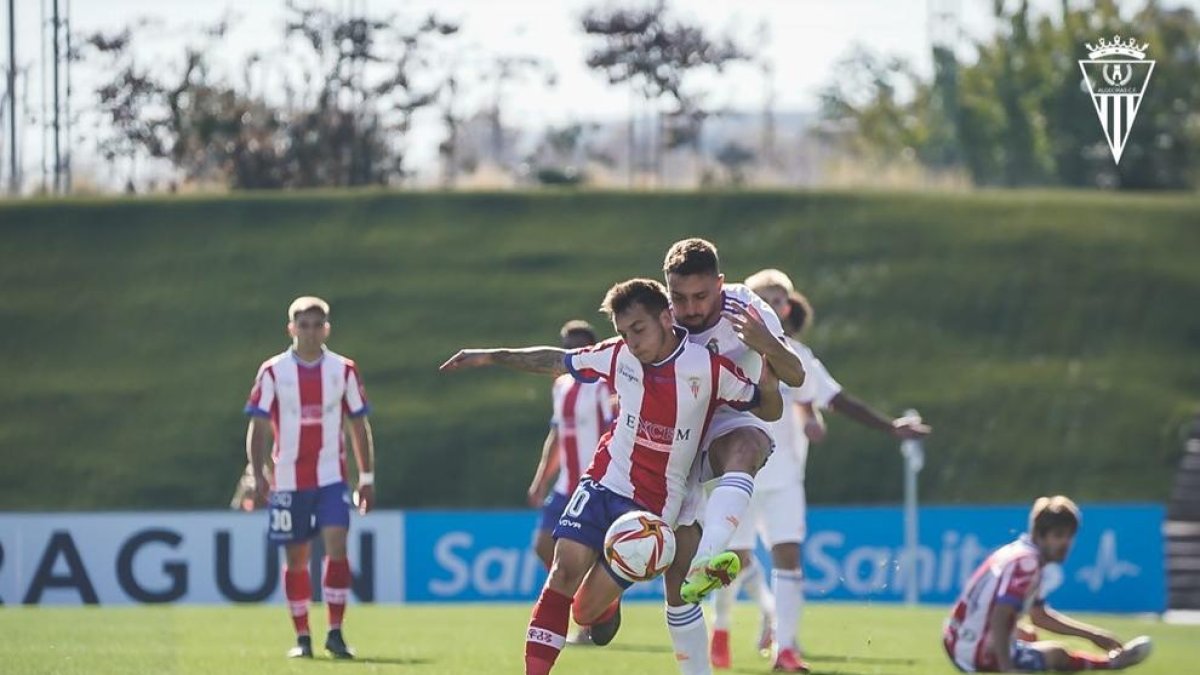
(981, 634)
(582, 412)
(301, 398)
(668, 389)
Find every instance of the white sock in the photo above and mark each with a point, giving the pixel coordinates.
(690, 639)
(753, 581)
(725, 509)
(789, 603)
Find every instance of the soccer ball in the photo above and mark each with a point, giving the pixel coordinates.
(639, 546)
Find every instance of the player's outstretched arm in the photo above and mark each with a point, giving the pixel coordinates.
(1048, 619)
(548, 360)
(901, 427)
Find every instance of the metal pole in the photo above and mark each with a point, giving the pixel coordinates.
(914, 461)
(67, 103)
(43, 88)
(57, 107)
(14, 183)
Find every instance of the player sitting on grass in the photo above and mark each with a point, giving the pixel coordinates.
(981, 634)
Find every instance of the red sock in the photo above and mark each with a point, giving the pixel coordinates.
(1085, 661)
(298, 589)
(336, 588)
(547, 631)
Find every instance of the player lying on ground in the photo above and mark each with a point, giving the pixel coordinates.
(667, 388)
(777, 509)
(301, 396)
(981, 634)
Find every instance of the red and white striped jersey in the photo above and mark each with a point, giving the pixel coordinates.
(306, 402)
(582, 413)
(722, 337)
(1011, 575)
(663, 411)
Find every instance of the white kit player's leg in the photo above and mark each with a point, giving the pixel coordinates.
(785, 530)
(689, 636)
(735, 456)
(685, 622)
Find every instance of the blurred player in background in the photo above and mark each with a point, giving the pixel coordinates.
(301, 397)
(981, 633)
(777, 510)
(668, 389)
(582, 412)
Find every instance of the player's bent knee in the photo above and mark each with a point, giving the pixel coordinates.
(785, 556)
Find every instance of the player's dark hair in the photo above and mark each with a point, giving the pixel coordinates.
(1050, 514)
(801, 316)
(692, 256)
(648, 293)
(578, 331)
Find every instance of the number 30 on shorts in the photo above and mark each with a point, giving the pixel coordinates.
(281, 520)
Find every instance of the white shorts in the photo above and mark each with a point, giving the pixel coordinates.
(724, 422)
(778, 516)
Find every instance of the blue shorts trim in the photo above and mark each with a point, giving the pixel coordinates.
(295, 516)
(552, 508)
(590, 511)
(1026, 658)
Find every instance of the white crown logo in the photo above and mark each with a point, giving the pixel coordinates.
(1117, 47)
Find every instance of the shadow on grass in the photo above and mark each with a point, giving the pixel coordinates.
(644, 649)
(382, 660)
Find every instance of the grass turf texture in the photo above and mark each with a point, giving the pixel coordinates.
(468, 640)
(1049, 337)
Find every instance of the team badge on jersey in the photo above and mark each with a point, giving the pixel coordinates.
(694, 385)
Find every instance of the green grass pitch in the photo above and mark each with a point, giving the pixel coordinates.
(476, 639)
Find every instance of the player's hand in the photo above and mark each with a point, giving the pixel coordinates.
(1106, 641)
(907, 428)
(467, 358)
(262, 492)
(751, 330)
(814, 430)
(535, 496)
(364, 498)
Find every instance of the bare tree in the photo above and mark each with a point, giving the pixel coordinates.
(655, 53)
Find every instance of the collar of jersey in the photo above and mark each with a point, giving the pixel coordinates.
(682, 334)
(307, 364)
(1027, 541)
